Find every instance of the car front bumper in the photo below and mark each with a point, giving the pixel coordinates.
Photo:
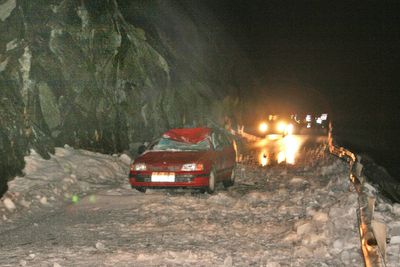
(192, 180)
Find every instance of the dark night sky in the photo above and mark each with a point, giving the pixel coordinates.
(348, 51)
(345, 52)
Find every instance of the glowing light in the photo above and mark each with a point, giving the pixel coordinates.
(263, 127)
(279, 150)
(273, 137)
(281, 157)
(289, 129)
(291, 148)
(263, 158)
(319, 120)
(281, 127)
(75, 199)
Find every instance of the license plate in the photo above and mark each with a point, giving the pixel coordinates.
(163, 177)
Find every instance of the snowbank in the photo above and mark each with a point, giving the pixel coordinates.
(65, 177)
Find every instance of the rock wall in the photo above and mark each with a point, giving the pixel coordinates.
(105, 75)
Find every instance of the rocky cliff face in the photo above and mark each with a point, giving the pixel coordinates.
(107, 74)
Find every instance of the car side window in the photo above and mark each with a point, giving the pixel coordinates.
(225, 140)
(220, 140)
(216, 140)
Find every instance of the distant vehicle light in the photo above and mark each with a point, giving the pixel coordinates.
(289, 128)
(319, 121)
(324, 117)
(192, 167)
(281, 127)
(139, 167)
(308, 118)
(263, 127)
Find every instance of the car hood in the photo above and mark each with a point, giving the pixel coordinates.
(172, 157)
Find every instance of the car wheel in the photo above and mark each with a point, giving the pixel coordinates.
(141, 189)
(211, 182)
(231, 181)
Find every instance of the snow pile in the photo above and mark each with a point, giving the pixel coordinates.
(65, 177)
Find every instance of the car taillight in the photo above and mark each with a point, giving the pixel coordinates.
(192, 167)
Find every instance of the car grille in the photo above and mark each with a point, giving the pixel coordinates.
(158, 168)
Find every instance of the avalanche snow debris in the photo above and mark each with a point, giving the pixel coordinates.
(125, 159)
(43, 201)
(396, 209)
(320, 216)
(306, 228)
(271, 217)
(9, 204)
(66, 173)
(100, 246)
(395, 240)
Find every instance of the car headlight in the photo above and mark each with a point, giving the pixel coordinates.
(139, 167)
(192, 167)
(281, 127)
(263, 127)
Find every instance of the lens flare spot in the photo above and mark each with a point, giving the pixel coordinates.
(75, 199)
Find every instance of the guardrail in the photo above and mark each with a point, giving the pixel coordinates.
(372, 233)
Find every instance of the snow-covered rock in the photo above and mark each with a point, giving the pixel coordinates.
(320, 217)
(100, 246)
(396, 209)
(303, 252)
(125, 159)
(228, 262)
(43, 201)
(306, 228)
(9, 204)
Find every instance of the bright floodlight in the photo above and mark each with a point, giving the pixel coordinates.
(263, 127)
(281, 127)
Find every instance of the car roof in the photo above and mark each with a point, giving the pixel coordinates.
(188, 135)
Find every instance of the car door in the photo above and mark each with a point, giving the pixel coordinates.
(219, 152)
(229, 154)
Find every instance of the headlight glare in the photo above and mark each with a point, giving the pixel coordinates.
(263, 127)
(281, 127)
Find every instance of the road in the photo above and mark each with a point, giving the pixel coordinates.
(299, 214)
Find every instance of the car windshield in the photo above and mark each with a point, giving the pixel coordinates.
(172, 145)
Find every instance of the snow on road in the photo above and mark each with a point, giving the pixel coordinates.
(273, 216)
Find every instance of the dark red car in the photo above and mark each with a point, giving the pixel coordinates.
(187, 157)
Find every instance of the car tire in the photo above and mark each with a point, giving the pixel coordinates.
(211, 182)
(141, 189)
(231, 181)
